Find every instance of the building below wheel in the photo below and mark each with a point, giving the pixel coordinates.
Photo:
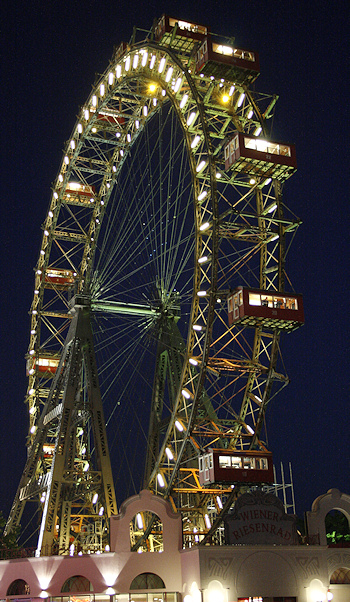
(264, 562)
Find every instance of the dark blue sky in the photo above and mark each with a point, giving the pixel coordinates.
(51, 53)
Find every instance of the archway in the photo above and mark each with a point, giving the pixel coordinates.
(77, 583)
(19, 587)
(147, 581)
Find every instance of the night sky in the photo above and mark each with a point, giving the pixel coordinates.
(51, 53)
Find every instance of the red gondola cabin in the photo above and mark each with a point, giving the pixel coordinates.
(221, 61)
(271, 309)
(231, 466)
(181, 34)
(257, 157)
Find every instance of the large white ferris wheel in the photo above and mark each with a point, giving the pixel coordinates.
(159, 296)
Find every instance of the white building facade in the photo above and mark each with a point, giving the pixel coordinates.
(231, 573)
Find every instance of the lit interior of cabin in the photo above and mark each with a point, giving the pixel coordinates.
(273, 301)
(185, 25)
(47, 362)
(235, 52)
(243, 463)
(264, 146)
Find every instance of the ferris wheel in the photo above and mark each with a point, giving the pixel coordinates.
(159, 296)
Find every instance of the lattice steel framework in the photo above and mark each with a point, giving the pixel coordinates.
(143, 172)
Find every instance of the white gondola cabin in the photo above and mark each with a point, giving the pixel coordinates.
(257, 157)
(182, 34)
(231, 466)
(221, 61)
(253, 307)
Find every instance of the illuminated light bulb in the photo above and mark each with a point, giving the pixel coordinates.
(95, 498)
(128, 137)
(207, 521)
(127, 63)
(218, 175)
(86, 114)
(94, 100)
(154, 101)
(152, 62)
(329, 596)
(202, 195)
(42, 252)
(118, 134)
(145, 110)
(201, 293)
(111, 78)
(258, 399)
(114, 168)
(50, 214)
(179, 426)
(31, 352)
(66, 160)
(191, 118)
(272, 208)
(160, 480)
(193, 361)
(195, 141)
(250, 113)
(177, 85)
(118, 71)
(203, 259)
(135, 61)
(184, 100)
(267, 181)
(169, 453)
(144, 58)
(163, 92)
(121, 152)
(36, 292)
(169, 74)
(33, 429)
(252, 181)
(186, 393)
(101, 511)
(110, 590)
(201, 166)
(257, 131)
(31, 392)
(225, 98)
(102, 90)
(86, 467)
(219, 502)
(161, 64)
(240, 99)
(60, 178)
(204, 226)
(72, 144)
(250, 429)
(231, 91)
(139, 521)
(137, 124)
(31, 371)
(274, 238)
(94, 130)
(39, 272)
(46, 232)
(71, 549)
(197, 327)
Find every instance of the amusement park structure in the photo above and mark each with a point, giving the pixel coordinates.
(160, 295)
